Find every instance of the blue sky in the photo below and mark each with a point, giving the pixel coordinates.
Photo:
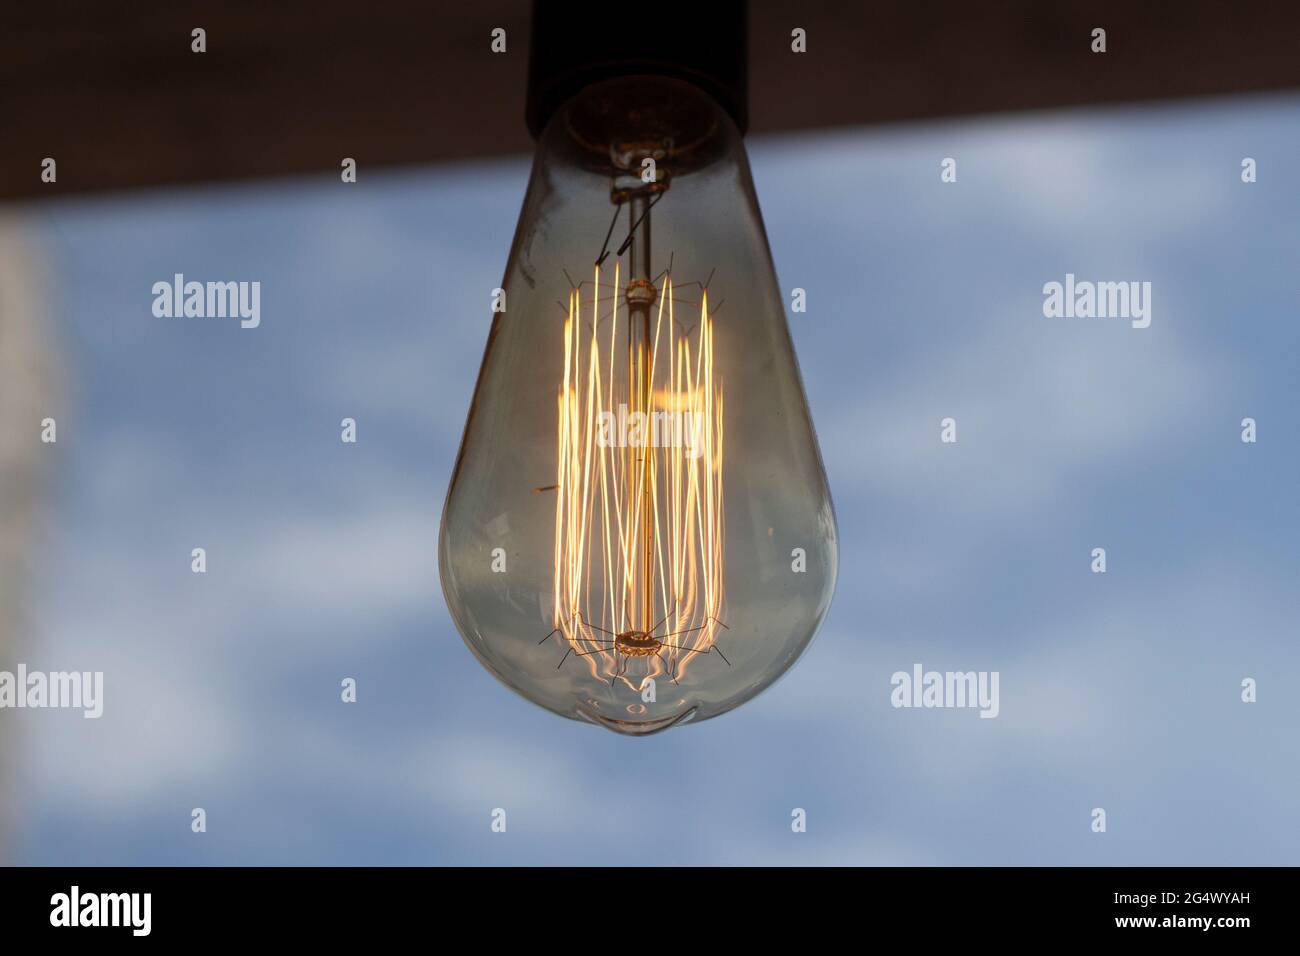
(924, 301)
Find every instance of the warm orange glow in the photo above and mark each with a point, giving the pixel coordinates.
(638, 515)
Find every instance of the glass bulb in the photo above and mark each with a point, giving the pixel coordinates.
(638, 531)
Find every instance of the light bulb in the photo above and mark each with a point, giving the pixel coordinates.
(638, 531)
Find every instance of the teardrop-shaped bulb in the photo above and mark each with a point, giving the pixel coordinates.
(638, 530)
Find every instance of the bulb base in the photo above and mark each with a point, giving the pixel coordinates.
(578, 43)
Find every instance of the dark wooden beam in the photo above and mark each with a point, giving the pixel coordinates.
(893, 60)
(115, 95)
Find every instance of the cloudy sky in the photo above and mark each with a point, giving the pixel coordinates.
(1119, 691)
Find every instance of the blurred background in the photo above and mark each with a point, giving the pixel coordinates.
(1119, 691)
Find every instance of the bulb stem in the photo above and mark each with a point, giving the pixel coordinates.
(640, 361)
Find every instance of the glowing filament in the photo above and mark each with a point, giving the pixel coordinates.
(638, 514)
